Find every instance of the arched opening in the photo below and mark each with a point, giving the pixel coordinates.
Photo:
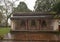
(33, 23)
(22, 23)
(43, 24)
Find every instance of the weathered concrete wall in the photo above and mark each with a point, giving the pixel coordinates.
(13, 24)
(51, 25)
(55, 24)
(35, 36)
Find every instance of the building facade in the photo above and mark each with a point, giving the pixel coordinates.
(33, 23)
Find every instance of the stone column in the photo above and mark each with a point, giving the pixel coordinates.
(37, 22)
(29, 22)
(13, 25)
(26, 24)
(40, 24)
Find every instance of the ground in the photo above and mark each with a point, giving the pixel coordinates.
(4, 30)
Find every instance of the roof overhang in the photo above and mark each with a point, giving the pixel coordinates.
(32, 15)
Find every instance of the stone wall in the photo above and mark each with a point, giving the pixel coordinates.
(35, 36)
(50, 25)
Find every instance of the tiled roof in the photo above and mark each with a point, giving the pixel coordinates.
(29, 17)
(32, 15)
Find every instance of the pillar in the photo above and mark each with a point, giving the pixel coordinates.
(27, 25)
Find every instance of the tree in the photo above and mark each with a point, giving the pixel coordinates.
(8, 7)
(2, 16)
(44, 5)
(56, 7)
(22, 7)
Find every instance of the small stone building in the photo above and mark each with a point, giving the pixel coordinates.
(33, 23)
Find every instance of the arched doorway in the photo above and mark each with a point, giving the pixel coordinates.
(42, 24)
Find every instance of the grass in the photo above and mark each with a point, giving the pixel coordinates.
(4, 30)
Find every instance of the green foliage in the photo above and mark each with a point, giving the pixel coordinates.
(1, 13)
(22, 7)
(56, 7)
(44, 5)
(4, 31)
(6, 8)
(1, 17)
